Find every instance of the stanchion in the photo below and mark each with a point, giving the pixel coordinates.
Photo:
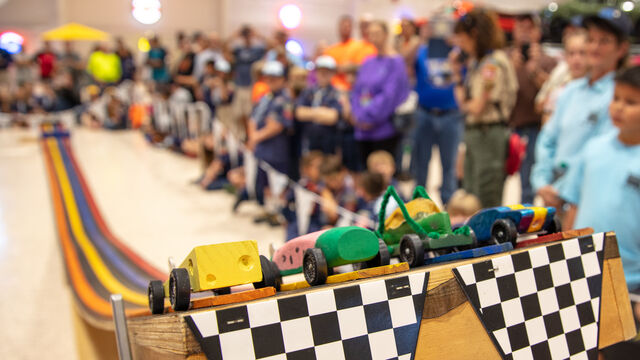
(120, 321)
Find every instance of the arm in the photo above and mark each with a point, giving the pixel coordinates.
(329, 206)
(473, 106)
(325, 115)
(570, 218)
(271, 129)
(542, 171)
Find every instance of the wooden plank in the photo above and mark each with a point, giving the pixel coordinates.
(449, 329)
(350, 276)
(570, 234)
(244, 296)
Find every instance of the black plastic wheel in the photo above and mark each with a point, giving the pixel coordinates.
(504, 230)
(156, 296)
(179, 289)
(474, 242)
(382, 257)
(554, 226)
(412, 250)
(314, 266)
(270, 274)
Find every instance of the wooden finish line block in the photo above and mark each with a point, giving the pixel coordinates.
(449, 328)
(353, 275)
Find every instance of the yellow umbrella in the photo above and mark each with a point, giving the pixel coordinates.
(74, 31)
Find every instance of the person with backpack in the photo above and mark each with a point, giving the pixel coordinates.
(486, 96)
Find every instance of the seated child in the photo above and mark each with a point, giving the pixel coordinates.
(369, 189)
(382, 162)
(337, 190)
(462, 206)
(310, 178)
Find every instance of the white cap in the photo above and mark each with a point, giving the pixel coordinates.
(326, 62)
(273, 68)
(223, 66)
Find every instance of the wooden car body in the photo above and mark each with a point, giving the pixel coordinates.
(222, 265)
(528, 219)
(434, 222)
(348, 245)
(288, 258)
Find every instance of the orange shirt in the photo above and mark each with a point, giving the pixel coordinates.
(260, 89)
(349, 52)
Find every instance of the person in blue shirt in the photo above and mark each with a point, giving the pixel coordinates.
(438, 120)
(267, 130)
(156, 59)
(320, 109)
(603, 185)
(581, 110)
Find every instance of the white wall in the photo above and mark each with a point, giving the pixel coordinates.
(114, 16)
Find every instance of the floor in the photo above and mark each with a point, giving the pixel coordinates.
(147, 199)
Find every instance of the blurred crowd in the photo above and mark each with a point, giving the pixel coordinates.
(359, 115)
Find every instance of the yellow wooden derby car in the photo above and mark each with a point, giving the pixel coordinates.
(213, 267)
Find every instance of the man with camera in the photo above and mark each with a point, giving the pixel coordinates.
(532, 67)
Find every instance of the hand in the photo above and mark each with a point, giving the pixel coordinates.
(550, 196)
(535, 54)
(363, 126)
(516, 58)
(217, 81)
(251, 144)
(454, 62)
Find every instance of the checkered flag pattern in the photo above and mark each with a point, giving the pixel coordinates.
(543, 303)
(373, 320)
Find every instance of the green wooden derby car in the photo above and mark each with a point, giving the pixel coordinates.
(342, 246)
(419, 226)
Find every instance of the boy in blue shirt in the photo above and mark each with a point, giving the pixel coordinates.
(267, 130)
(319, 108)
(581, 110)
(603, 184)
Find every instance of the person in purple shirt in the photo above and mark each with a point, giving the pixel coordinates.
(382, 84)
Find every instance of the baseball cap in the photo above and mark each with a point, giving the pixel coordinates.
(325, 62)
(223, 66)
(273, 68)
(612, 20)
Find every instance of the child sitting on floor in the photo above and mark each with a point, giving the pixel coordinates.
(369, 189)
(462, 206)
(309, 179)
(338, 189)
(382, 162)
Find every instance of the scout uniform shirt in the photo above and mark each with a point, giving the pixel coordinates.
(496, 73)
(275, 150)
(582, 112)
(604, 182)
(318, 136)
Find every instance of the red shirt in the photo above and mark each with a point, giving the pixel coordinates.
(47, 61)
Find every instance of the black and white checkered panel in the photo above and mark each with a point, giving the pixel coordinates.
(543, 303)
(373, 320)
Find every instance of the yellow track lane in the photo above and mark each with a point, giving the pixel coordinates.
(95, 261)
